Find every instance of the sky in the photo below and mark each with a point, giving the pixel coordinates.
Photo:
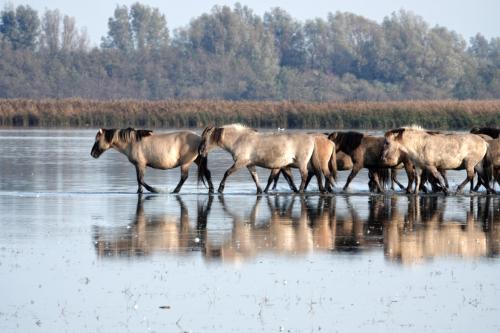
(467, 17)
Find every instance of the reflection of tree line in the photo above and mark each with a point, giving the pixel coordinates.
(300, 224)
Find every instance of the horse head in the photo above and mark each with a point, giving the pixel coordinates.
(103, 141)
(392, 146)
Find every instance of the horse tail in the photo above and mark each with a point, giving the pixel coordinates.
(315, 159)
(332, 165)
(202, 163)
(384, 176)
(488, 166)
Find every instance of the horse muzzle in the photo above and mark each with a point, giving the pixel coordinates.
(96, 151)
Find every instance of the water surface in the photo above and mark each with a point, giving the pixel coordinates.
(81, 252)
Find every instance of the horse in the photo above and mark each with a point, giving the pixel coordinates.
(365, 152)
(159, 151)
(250, 148)
(324, 158)
(494, 133)
(436, 151)
(494, 155)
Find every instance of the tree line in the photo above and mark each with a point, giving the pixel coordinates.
(234, 54)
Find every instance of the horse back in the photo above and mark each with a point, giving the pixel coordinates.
(168, 150)
(275, 150)
(452, 150)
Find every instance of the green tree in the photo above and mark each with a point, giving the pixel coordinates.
(119, 31)
(20, 27)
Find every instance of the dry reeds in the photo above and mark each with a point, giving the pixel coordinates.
(446, 114)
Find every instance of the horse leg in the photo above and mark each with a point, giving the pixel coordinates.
(139, 170)
(235, 167)
(482, 179)
(287, 173)
(469, 178)
(443, 174)
(418, 179)
(376, 180)
(318, 173)
(184, 176)
(275, 180)
(410, 174)
(310, 174)
(478, 185)
(303, 173)
(437, 175)
(354, 172)
(255, 177)
(274, 175)
(394, 179)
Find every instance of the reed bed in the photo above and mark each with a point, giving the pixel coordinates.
(443, 114)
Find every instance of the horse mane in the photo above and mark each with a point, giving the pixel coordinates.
(490, 131)
(239, 127)
(129, 135)
(399, 131)
(348, 141)
(109, 134)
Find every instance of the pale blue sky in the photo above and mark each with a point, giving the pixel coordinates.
(467, 17)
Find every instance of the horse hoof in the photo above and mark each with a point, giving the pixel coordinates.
(220, 190)
(211, 190)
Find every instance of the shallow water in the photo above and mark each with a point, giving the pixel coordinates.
(81, 252)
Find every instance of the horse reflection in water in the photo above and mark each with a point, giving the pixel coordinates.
(423, 232)
(149, 234)
(407, 229)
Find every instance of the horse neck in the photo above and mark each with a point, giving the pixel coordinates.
(415, 144)
(230, 138)
(121, 146)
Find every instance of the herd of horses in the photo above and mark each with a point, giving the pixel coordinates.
(424, 155)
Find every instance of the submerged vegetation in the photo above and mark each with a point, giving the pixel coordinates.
(446, 114)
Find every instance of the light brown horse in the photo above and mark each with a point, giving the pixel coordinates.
(436, 151)
(159, 151)
(324, 158)
(250, 148)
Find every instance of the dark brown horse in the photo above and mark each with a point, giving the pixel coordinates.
(158, 151)
(492, 132)
(365, 152)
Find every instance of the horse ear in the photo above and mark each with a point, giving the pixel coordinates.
(217, 134)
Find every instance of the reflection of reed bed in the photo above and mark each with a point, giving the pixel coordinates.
(198, 113)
